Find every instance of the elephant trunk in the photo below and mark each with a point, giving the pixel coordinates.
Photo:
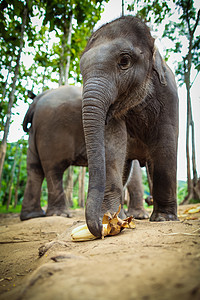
(96, 99)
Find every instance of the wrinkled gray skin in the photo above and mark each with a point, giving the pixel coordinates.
(125, 78)
(56, 141)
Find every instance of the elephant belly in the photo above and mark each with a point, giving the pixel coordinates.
(136, 149)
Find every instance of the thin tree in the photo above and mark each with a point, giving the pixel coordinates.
(122, 8)
(10, 186)
(69, 42)
(65, 49)
(69, 186)
(81, 194)
(18, 175)
(13, 89)
(187, 63)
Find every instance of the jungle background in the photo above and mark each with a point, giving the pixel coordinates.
(51, 35)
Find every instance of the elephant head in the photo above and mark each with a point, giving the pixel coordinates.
(116, 67)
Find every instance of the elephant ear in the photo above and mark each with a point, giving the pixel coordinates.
(159, 67)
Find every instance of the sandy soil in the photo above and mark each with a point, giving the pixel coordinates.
(153, 261)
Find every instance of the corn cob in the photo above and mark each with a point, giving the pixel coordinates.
(82, 233)
(112, 225)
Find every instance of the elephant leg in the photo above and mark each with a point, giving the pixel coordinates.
(56, 195)
(164, 185)
(136, 192)
(115, 149)
(31, 207)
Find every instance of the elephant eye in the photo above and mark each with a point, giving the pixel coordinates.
(124, 61)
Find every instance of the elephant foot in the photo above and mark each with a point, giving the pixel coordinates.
(26, 215)
(160, 217)
(58, 212)
(139, 214)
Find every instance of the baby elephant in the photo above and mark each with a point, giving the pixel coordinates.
(125, 78)
(56, 141)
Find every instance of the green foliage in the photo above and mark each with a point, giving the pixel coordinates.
(9, 161)
(193, 201)
(181, 191)
(150, 10)
(45, 44)
(15, 151)
(4, 210)
(145, 183)
(180, 32)
(44, 194)
(76, 171)
(11, 15)
(45, 51)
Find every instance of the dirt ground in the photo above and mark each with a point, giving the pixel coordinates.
(153, 261)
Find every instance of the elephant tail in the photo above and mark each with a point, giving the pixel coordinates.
(29, 114)
(31, 95)
(28, 118)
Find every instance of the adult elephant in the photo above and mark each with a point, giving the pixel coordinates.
(125, 78)
(56, 141)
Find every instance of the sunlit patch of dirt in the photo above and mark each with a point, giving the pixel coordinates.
(156, 260)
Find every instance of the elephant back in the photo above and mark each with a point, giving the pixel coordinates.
(30, 112)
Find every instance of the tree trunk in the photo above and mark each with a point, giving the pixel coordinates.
(43, 79)
(65, 51)
(69, 41)
(12, 93)
(122, 8)
(11, 178)
(190, 123)
(189, 180)
(4, 89)
(81, 193)
(69, 186)
(194, 168)
(187, 73)
(197, 190)
(149, 180)
(18, 178)
(61, 74)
